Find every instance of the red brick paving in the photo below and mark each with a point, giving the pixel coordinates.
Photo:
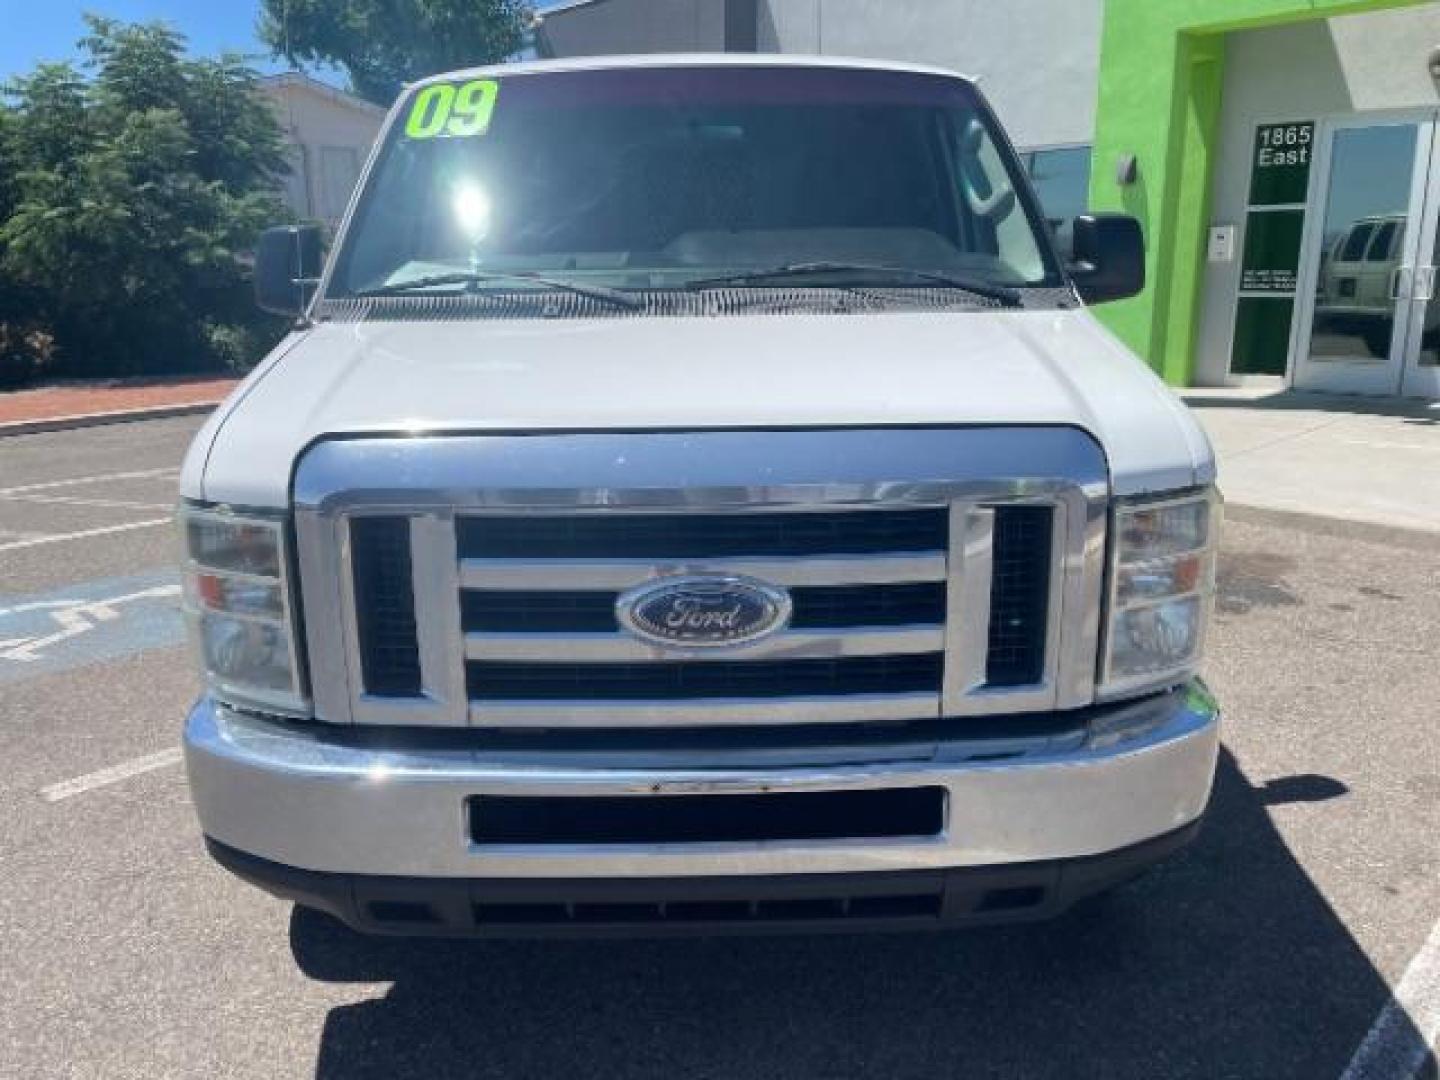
(120, 395)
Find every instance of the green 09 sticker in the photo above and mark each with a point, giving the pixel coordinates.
(444, 109)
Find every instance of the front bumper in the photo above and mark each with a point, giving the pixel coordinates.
(349, 809)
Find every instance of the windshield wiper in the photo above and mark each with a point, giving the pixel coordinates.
(614, 297)
(1002, 294)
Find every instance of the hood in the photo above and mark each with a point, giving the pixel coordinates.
(633, 374)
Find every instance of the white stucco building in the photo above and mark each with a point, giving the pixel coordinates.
(329, 134)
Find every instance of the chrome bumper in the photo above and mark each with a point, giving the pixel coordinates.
(338, 801)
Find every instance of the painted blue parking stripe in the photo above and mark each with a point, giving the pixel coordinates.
(87, 623)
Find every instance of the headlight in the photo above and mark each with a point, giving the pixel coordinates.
(1162, 578)
(237, 603)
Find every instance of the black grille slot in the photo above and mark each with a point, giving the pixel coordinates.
(1019, 595)
(685, 536)
(680, 819)
(919, 906)
(913, 604)
(838, 607)
(538, 612)
(385, 606)
(914, 673)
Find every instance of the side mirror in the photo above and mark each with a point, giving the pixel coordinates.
(1105, 254)
(287, 264)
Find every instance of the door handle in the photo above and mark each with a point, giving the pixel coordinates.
(1424, 283)
(1405, 274)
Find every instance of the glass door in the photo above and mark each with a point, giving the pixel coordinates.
(1420, 374)
(1361, 255)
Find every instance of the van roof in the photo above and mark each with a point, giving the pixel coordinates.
(682, 60)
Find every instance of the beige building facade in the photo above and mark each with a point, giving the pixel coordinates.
(328, 134)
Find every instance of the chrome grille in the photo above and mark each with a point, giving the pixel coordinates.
(911, 599)
(541, 630)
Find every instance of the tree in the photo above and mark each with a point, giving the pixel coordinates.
(382, 44)
(127, 200)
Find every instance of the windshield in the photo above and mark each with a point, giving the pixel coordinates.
(693, 177)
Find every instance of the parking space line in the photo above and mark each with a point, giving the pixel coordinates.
(76, 500)
(113, 775)
(85, 534)
(93, 478)
(1403, 1036)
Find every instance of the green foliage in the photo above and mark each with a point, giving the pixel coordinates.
(382, 44)
(126, 200)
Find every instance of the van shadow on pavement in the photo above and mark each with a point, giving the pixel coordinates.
(1225, 962)
(1418, 412)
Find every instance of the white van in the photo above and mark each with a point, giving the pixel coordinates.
(1360, 274)
(696, 497)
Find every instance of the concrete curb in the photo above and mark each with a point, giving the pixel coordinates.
(122, 416)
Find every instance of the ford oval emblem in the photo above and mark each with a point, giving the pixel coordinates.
(703, 611)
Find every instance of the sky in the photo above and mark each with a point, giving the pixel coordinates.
(35, 30)
(48, 29)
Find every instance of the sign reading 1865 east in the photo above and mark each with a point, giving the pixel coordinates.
(1280, 170)
(1270, 259)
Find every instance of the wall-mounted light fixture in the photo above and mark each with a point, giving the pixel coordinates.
(1127, 169)
(1433, 62)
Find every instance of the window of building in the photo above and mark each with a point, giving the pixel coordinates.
(1061, 176)
(339, 169)
(295, 187)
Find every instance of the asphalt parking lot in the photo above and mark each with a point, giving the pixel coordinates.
(1270, 949)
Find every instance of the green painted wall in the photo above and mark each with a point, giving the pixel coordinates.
(1161, 77)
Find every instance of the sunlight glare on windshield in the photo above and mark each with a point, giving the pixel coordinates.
(471, 205)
